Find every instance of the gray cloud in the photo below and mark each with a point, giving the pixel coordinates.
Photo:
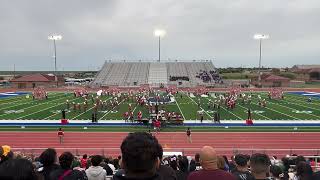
(96, 30)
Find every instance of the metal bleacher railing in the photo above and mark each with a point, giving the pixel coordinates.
(185, 151)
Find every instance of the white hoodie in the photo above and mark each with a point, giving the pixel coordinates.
(96, 173)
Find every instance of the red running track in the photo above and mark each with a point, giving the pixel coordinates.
(226, 143)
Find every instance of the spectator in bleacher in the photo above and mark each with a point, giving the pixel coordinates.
(226, 163)
(192, 165)
(208, 160)
(96, 172)
(116, 163)
(221, 163)
(304, 171)
(232, 164)
(260, 166)
(174, 165)
(197, 160)
(277, 174)
(84, 161)
(316, 176)
(110, 169)
(76, 162)
(17, 169)
(165, 171)
(5, 153)
(65, 172)
(183, 164)
(48, 159)
(241, 171)
(139, 157)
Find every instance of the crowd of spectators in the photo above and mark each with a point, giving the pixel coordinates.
(142, 159)
(209, 76)
(177, 78)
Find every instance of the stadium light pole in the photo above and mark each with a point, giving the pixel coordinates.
(159, 33)
(55, 38)
(260, 37)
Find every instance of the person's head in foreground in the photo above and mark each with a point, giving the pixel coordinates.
(260, 165)
(277, 174)
(241, 162)
(210, 170)
(208, 158)
(304, 171)
(140, 156)
(65, 160)
(48, 157)
(15, 169)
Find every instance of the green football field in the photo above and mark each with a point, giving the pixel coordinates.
(293, 107)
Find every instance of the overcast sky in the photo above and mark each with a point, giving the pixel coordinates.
(96, 30)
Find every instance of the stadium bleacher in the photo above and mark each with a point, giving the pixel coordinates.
(182, 74)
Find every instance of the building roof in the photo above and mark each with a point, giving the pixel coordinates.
(35, 78)
(272, 77)
(306, 66)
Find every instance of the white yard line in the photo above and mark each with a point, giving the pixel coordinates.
(175, 99)
(231, 113)
(293, 109)
(86, 111)
(82, 113)
(303, 106)
(199, 106)
(301, 101)
(255, 113)
(39, 111)
(21, 98)
(36, 105)
(21, 104)
(282, 113)
(111, 110)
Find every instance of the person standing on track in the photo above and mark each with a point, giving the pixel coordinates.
(189, 135)
(249, 114)
(60, 135)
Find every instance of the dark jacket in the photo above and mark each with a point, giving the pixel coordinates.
(120, 175)
(45, 171)
(167, 173)
(74, 175)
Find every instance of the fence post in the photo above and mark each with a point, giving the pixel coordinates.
(316, 160)
(77, 153)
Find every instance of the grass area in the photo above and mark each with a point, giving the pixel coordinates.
(167, 129)
(293, 107)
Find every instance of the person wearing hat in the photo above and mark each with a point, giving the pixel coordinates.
(5, 153)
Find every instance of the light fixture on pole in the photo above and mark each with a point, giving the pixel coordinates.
(55, 38)
(159, 33)
(260, 37)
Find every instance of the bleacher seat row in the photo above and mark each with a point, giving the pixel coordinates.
(129, 74)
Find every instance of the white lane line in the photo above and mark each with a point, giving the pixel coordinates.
(111, 110)
(24, 103)
(175, 99)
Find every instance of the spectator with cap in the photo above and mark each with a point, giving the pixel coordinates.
(241, 171)
(140, 158)
(208, 161)
(5, 153)
(260, 166)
